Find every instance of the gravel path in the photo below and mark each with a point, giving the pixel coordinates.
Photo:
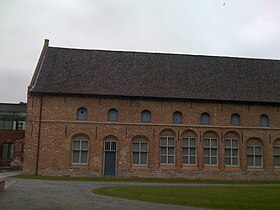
(61, 195)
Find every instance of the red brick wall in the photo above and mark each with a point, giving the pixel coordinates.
(59, 126)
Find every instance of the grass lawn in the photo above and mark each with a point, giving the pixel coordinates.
(207, 197)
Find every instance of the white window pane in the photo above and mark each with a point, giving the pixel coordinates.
(143, 158)
(76, 145)
(192, 160)
(214, 142)
(192, 142)
(228, 161)
(250, 160)
(185, 151)
(258, 161)
(235, 161)
(235, 143)
(84, 145)
(163, 159)
(206, 142)
(171, 142)
(276, 150)
(192, 151)
(250, 150)
(277, 161)
(76, 156)
(213, 161)
(171, 151)
(214, 152)
(163, 150)
(227, 152)
(84, 156)
(235, 152)
(163, 141)
(258, 150)
(113, 146)
(228, 143)
(185, 160)
(135, 158)
(185, 142)
(206, 152)
(206, 160)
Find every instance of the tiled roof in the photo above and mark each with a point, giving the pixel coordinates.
(117, 73)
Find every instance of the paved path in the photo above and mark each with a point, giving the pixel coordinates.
(61, 195)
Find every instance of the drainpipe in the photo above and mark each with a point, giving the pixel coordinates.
(39, 136)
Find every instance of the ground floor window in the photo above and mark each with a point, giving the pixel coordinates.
(139, 153)
(210, 151)
(189, 150)
(167, 150)
(231, 152)
(80, 151)
(276, 156)
(7, 151)
(254, 156)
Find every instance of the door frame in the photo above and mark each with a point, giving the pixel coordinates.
(116, 156)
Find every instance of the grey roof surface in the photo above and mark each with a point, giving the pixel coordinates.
(117, 73)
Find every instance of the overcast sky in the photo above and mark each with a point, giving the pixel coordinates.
(239, 28)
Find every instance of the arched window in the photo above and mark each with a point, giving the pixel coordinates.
(81, 114)
(139, 152)
(276, 154)
(254, 153)
(205, 119)
(146, 116)
(113, 115)
(177, 118)
(264, 121)
(235, 120)
(80, 150)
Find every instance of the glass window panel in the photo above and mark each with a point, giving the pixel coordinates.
(1, 124)
(213, 152)
(5, 151)
(185, 142)
(107, 146)
(276, 150)
(235, 152)
(135, 146)
(84, 145)
(170, 159)
(235, 161)
(163, 159)
(135, 158)
(206, 152)
(113, 146)
(258, 150)
(163, 150)
(113, 115)
(143, 146)
(214, 142)
(235, 143)
(235, 120)
(185, 151)
(84, 155)
(143, 158)
(277, 161)
(192, 151)
(146, 116)
(76, 145)
(163, 141)
(227, 143)
(8, 125)
(206, 160)
(11, 148)
(206, 142)
(258, 161)
(185, 160)
(82, 114)
(250, 160)
(264, 121)
(171, 151)
(213, 160)
(177, 118)
(76, 156)
(171, 142)
(205, 119)
(192, 142)
(250, 150)
(192, 160)
(228, 161)
(228, 152)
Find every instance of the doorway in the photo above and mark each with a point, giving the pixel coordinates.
(110, 156)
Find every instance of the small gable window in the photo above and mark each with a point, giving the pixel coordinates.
(81, 114)
(146, 116)
(113, 115)
(205, 119)
(235, 120)
(177, 118)
(264, 121)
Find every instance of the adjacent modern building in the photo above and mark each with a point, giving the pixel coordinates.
(136, 114)
(12, 130)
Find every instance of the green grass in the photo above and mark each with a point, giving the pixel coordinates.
(258, 198)
(145, 180)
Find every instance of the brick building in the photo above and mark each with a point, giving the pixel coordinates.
(12, 126)
(134, 114)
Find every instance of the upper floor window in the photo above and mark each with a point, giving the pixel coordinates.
(81, 114)
(12, 120)
(177, 118)
(146, 116)
(205, 119)
(264, 121)
(113, 115)
(235, 120)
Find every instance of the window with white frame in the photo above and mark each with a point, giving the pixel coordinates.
(254, 156)
(189, 150)
(80, 151)
(139, 152)
(276, 156)
(231, 152)
(167, 150)
(210, 151)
